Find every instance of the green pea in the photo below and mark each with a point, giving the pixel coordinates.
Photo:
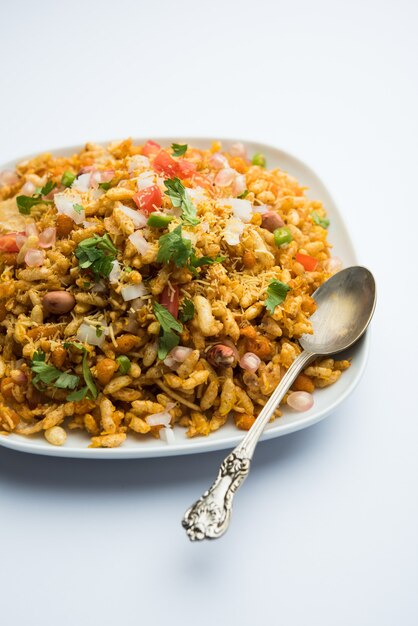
(259, 159)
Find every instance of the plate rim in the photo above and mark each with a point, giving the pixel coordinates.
(201, 445)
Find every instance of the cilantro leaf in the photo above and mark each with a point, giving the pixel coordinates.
(179, 149)
(78, 395)
(50, 375)
(168, 339)
(87, 375)
(187, 312)
(25, 203)
(179, 197)
(321, 221)
(205, 260)
(244, 194)
(78, 208)
(276, 292)
(105, 186)
(173, 247)
(97, 255)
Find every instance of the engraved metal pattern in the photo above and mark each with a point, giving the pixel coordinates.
(209, 517)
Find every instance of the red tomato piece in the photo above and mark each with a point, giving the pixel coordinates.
(308, 262)
(151, 148)
(166, 165)
(8, 243)
(169, 298)
(148, 199)
(186, 168)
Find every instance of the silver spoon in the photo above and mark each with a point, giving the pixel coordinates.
(345, 306)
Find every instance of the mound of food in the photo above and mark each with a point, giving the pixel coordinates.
(144, 286)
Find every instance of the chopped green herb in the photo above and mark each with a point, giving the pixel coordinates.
(67, 179)
(321, 221)
(78, 395)
(99, 331)
(187, 312)
(105, 186)
(124, 364)
(205, 260)
(78, 208)
(159, 221)
(173, 247)
(168, 338)
(25, 203)
(276, 292)
(179, 149)
(96, 254)
(50, 375)
(127, 269)
(282, 235)
(179, 197)
(244, 194)
(259, 159)
(88, 378)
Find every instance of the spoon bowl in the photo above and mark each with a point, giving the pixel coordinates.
(345, 306)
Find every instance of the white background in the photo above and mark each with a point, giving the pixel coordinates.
(325, 529)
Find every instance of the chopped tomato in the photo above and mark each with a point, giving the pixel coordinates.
(170, 299)
(151, 148)
(166, 165)
(308, 262)
(148, 199)
(186, 168)
(8, 243)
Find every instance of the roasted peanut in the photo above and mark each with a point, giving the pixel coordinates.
(64, 226)
(58, 302)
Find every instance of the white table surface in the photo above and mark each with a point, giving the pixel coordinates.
(325, 529)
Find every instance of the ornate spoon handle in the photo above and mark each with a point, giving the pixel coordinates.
(209, 517)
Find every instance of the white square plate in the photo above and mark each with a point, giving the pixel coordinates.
(326, 400)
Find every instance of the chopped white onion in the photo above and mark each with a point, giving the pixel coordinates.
(139, 241)
(101, 176)
(34, 258)
(47, 237)
(159, 419)
(31, 229)
(20, 240)
(115, 272)
(146, 179)
(242, 209)
(233, 231)
(225, 177)
(197, 194)
(131, 292)
(88, 334)
(167, 435)
(137, 162)
(28, 189)
(261, 208)
(239, 185)
(99, 287)
(205, 227)
(250, 362)
(65, 202)
(82, 182)
(8, 177)
(177, 355)
(238, 150)
(88, 224)
(300, 400)
(218, 161)
(139, 219)
(333, 265)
